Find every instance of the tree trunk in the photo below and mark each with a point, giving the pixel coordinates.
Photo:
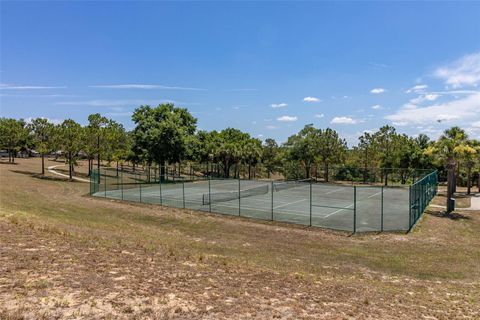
(43, 164)
(450, 185)
(325, 168)
(249, 171)
(226, 169)
(469, 178)
(365, 166)
(478, 182)
(70, 165)
(162, 170)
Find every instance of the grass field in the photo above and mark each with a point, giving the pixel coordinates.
(64, 254)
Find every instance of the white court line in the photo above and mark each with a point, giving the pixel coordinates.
(330, 214)
(334, 190)
(373, 195)
(347, 207)
(288, 203)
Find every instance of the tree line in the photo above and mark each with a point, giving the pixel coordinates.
(167, 134)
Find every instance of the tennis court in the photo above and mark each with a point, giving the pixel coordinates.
(349, 208)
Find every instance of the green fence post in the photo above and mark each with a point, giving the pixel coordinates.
(409, 207)
(354, 209)
(209, 195)
(381, 225)
(310, 203)
(183, 193)
(271, 190)
(239, 197)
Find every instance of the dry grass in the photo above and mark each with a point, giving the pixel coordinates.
(66, 255)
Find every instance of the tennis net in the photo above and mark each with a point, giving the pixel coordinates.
(284, 185)
(215, 197)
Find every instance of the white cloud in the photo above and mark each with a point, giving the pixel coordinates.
(4, 86)
(311, 99)
(278, 105)
(53, 121)
(343, 120)
(319, 115)
(431, 96)
(425, 97)
(377, 107)
(462, 72)
(287, 118)
(270, 127)
(144, 86)
(476, 124)
(377, 90)
(463, 108)
(419, 88)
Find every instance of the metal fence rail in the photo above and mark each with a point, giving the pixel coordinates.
(420, 195)
(335, 206)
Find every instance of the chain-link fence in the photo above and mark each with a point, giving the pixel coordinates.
(421, 193)
(310, 202)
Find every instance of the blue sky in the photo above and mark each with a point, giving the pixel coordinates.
(267, 68)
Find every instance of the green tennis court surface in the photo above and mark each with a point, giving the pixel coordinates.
(356, 209)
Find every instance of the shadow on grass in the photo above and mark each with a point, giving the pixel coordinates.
(10, 163)
(42, 177)
(451, 215)
(78, 174)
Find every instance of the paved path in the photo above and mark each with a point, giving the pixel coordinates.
(50, 169)
(475, 203)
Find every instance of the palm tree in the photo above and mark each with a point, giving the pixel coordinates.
(449, 148)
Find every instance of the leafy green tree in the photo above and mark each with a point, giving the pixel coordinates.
(303, 147)
(161, 133)
(331, 149)
(448, 149)
(270, 156)
(116, 143)
(95, 139)
(206, 144)
(385, 140)
(251, 154)
(367, 153)
(13, 136)
(72, 141)
(42, 133)
(229, 151)
(467, 153)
